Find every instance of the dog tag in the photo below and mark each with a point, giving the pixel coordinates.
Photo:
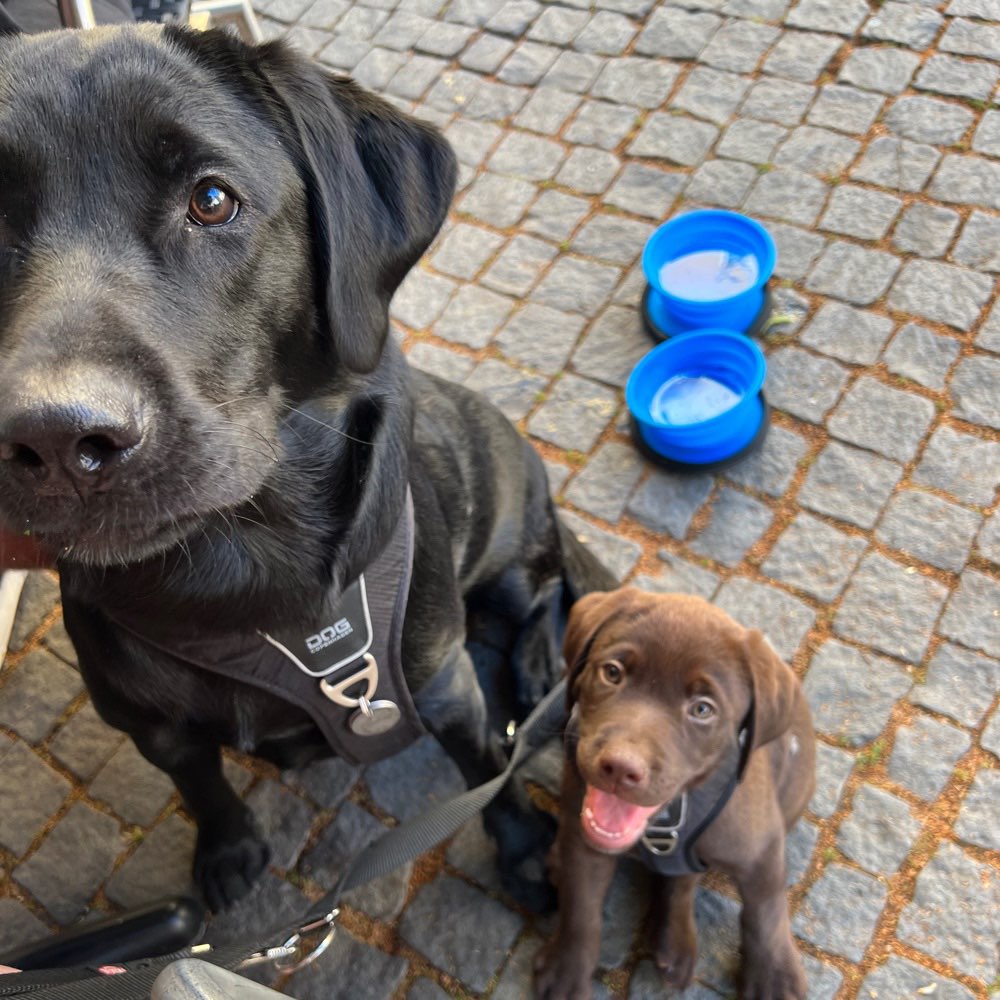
(374, 717)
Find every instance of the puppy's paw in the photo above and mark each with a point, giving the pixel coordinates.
(774, 976)
(562, 974)
(676, 961)
(226, 870)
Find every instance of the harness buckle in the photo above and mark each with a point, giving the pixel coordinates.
(661, 838)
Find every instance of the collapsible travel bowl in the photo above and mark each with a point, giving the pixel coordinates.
(707, 270)
(696, 400)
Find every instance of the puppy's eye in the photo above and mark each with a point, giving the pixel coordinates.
(211, 204)
(701, 710)
(612, 672)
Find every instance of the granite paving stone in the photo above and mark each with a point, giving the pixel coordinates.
(928, 120)
(784, 619)
(603, 486)
(967, 180)
(540, 337)
(817, 151)
(839, 912)
(960, 683)
(327, 782)
(840, 17)
(987, 135)
(972, 38)
(976, 823)
(674, 138)
(486, 53)
(897, 164)
(38, 599)
(673, 33)
(756, 10)
(722, 183)
(889, 421)
(425, 989)
(750, 141)
(886, 70)
(852, 273)
(159, 868)
(344, 52)
(950, 888)
(900, 977)
(960, 464)
(85, 742)
(635, 81)
(444, 39)
(845, 109)
(558, 25)
(668, 501)
(780, 101)
(574, 71)
(18, 925)
(989, 333)
(957, 77)
(680, 576)
(519, 265)
(849, 484)
(852, 692)
(575, 414)
(856, 211)
(464, 250)
(440, 361)
(814, 557)
(979, 245)
(788, 195)
(23, 816)
(973, 389)
(988, 541)
(924, 753)
(800, 843)
(771, 468)
(496, 200)
(577, 285)
(61, 876)
(985, 9)
(555, 215)
(56, 640)
(374, 974)
(612, 238)
(472, 141)
(588, 171)
(600, 124)
(852, 335)
(797, 249)
(607, 33)
(906, 23)
(378, 67)
(472, 316)
(989, 739)
(802, 384)
(415, 77)
(890, 607)
(36, 693)
(802, 56)
(406, 784)
(547, 110)
(133, 788)
(879, 831)
(833, 766)
(496, 101)
(738, 46)
(612, 347)
(711, 94)
(904, 527)
(925, 229)
(646, 190)
(528, 63)
(737, 522)
(970, 617)
(512, 390)
(474, 13)
(514, 17)
(285, 816)
(941, 293)
(528, 156)
(618, 554)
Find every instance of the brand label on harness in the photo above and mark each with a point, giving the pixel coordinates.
(329, 635)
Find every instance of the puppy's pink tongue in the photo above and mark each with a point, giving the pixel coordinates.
(611, 823)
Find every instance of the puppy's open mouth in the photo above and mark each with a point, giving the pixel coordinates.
(610, 823)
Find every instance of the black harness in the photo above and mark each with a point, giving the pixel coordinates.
(346, 671)
(668, 843)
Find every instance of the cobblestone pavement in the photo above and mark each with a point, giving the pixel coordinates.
(863, 538)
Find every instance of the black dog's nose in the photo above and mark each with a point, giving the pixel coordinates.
(74, 445)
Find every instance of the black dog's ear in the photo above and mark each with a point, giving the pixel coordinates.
(774, 689)
(379, 185)
(8, 26)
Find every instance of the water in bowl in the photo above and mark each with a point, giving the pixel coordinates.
(709, 275)
(690, 399)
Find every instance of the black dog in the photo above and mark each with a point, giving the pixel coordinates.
(199, 408)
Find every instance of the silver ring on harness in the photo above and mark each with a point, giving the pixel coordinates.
(289, 957)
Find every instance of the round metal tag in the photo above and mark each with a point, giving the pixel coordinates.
(381, 716)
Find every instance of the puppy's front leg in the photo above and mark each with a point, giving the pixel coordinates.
(772, 969)
(229, 855)
(673, 931)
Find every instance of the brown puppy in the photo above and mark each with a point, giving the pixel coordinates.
(676, 704)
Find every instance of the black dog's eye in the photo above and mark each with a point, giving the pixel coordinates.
(612, 672)
(701, 710)
(211, 204)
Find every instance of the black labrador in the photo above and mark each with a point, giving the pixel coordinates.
(201, 410)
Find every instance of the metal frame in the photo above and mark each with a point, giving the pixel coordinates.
(237, 14)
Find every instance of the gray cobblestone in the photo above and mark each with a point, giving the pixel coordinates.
(374, 974)
(757, 10)
(496, 101)
(904, 527)
(540, 337)
(668, 501)
(472, 141)
(924, 754)
(800, 56)
(603, 486)
(891, 609)
(56, 640)
(988, 542)
(781, 101)
(528, 63)
(486, 53)
(979, 244)
(879, 831)
(906, 23)
(160, 866)
(941, 293)
(547, 110)
(18, 925)
(499, 201)
(987, 136)
(960, 684)
(927, 119)
(802, 384)
(925, 230)
(738, 46)
(23, 816)
(681, 576)
(600, 124)
(967, 180)
(135, 789)
(989, 333)
(37, 601)
(737, 522)
(514, 18)
(36, 693)
(900, 977)
(976, 822)
(612, 347)
(852, 692)
(814, 557)
(677, 34)
(852, 273)
(378, 67)
(817, 151)
(327, 782)
(788, 195)
(464, 250)
(971, 613)
(897, 164)
(574, 71)
(472, 316)
(800, 843)
(961, 464)
(957, 77)
(421, 298)
(849, 334)
(951, 887)
(971, 38)
(990, 737)
(425, 989)
(721, 182)
(529, 156)
(612, 238)
(577, 285)
(856, 211)
(406, 784)
(833, 766)
(842, 18)
(607, 33)
(784, 619)
(558, 25)
(797, 249)
(711, 94)
(514, 391)
(588, 171)
(575, 414)
(772, 467)
(445, 40)
(618, 554)
(840, 911)
(674, 138)
(849, 484)
(846, 109)
(517, 268)
(646, 190)
(415, 77)
(555, 215)
(750, 141)
(85, 742)
(885, 70)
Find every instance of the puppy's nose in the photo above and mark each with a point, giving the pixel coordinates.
(623, 768)
(74, 445)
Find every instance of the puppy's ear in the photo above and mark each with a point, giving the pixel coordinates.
(586, 618)
(379, 184)
(774, 689)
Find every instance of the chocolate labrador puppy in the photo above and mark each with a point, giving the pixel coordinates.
(690, 742)
(201, 411)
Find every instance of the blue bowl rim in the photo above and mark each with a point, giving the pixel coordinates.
(766, 266)
(752, 389)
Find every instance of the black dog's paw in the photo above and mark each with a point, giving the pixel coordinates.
(226, 870)
(523, 836)
(527, 884)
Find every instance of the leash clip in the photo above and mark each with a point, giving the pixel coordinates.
(292, 954)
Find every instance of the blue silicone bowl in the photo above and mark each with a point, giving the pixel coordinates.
(679, 433)
(707, 231)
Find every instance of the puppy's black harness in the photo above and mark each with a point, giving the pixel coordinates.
(346, 671)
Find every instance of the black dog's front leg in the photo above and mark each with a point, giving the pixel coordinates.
(453, 708)
(229, 855)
